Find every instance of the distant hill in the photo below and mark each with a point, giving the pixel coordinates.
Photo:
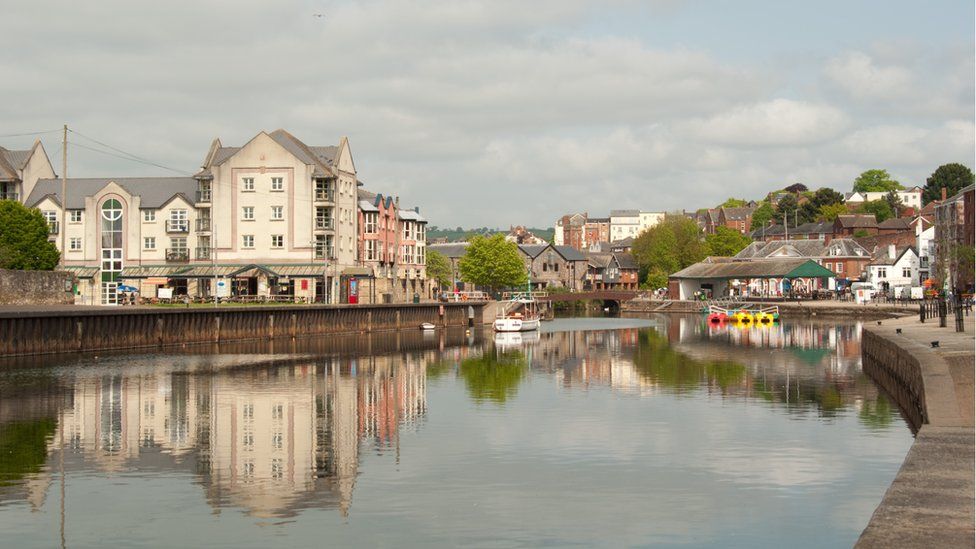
(460, 234)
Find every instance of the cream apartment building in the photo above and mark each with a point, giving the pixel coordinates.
(272, 217)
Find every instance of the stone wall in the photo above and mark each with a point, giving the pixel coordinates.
(36, 287)
(899, 372)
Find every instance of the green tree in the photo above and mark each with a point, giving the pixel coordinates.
(829, 212)
(439, 269)
(894, 202)
(761, 216)
(733, 203)
(953, 177)
(825, 196)
(726, 242)
(493, 262)
(876, 181)
(24, 243)
(669, 246)
(879, 208)
(493, 378)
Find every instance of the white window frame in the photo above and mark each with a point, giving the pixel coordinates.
(277, 184)
(906, 272)
(247, 213)
(277, 241)
(146, 241)
(74, 244)
(74, 216)
(277, 213)
(247, 184)
(247, 241)
(149, 216)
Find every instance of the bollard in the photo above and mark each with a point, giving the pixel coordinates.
(921, 312)
(960, 326)
(942, 313)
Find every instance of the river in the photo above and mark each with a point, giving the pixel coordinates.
(656, 431)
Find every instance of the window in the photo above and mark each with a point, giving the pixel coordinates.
(277, 212)
(149, 216)
(247, 213)
(370, 223)
(75, 216)
(906, 272)
(277, 183)
(149, 243)
(177, 242)
(74, 243)
(370, 249)
(247, 184)
(111, 233)
(277, 241)
(247, 241)
(840, 267)
(178, 221)
(50, 216)
(828, 265)
(882, 272)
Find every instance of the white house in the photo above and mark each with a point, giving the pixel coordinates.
(894, 268)
(911, 198)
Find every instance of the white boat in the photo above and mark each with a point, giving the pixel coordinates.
(427, 326)
(526, 320)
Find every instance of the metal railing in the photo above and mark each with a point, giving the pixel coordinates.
(203, 224)
(9, 196)
(204, 196)
(177, 255)
(324, 195)
(325, 223)
(53, 227)
(203, 252)
(324, 252)
(177, 226)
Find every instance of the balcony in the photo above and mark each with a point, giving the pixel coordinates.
(177, 255)
(53, 227)
(203, 225)
(9, 196)
(203, 196)
(177, 226)
(324, 223)
(324, 252)
(204, 252)
(324, 195)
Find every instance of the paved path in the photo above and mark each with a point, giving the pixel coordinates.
(931, 501)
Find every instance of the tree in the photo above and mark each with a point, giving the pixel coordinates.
(668, 247)
(761, 216)
(733, 203)
(24, 243)
(894, 202)
(953, 177)
(493, 262)
(879, 208)
(830, 212)
(439, 269)
(796, 188)
(726, 242)
(876, 181)
(825, 196)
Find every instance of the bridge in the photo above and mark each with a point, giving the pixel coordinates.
(610, 298)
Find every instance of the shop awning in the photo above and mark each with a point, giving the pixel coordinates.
(82, 272)
(311, 270)
(152, 271)
(358, 271)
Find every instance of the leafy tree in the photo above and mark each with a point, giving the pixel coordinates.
(762, 215)
(493, 262)
(726, 242)
(24, 241)
(669, 246)
(876, 181)
(826, 196)
(951, 176)
(439, 269)
(788, 209)
(861, 233)
(894, 202)
(796, 188)
(829, 212)
(879, 208)
(733, 203)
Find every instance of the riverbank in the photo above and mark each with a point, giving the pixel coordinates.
(931, 501)
(802, 309)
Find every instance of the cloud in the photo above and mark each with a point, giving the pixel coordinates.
(776, 123)
(858, 74)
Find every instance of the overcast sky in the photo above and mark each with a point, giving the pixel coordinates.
(507, 112)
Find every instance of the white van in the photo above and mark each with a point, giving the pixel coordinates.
(863, 291)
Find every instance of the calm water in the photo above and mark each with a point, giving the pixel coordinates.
(596, 432)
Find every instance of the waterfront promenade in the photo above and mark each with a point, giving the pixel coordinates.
(931, 501)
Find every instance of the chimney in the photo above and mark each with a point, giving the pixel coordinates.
(943, 194)
(891, 251)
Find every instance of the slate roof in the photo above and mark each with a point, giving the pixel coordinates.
(763, 268)
(322, 158)
(887, 260)
(624, 213)
(598, 260)
(368, 206)
(533, 250)
(737, 214)
(154, 192)
(626, 261)
(412, 215)
(895, 223)
(451, 251)
(825, 227)
(10, 162)
(569, 253)
(768, 230)
(751, 251)
(623, 242)
(845, 247)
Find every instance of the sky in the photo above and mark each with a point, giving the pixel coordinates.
(504, 112)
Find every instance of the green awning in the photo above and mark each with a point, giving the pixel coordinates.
(82, 272)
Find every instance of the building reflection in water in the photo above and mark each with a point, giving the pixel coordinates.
(275, 437)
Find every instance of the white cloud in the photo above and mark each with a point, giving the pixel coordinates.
(858, 74)
(776, 123)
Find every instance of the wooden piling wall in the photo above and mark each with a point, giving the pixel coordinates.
(67, 330)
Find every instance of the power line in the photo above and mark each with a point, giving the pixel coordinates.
(128, 155)
(131, 159)
(28, 133)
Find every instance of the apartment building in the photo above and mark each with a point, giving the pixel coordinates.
(273, 218)
(910, 198)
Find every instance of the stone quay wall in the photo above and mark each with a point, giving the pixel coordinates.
(82, 330)
(899, 372)
(36, 287)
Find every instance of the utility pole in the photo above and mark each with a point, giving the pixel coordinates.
(786, 227)
(64, 193)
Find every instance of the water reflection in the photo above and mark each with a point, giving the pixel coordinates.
(274, 431)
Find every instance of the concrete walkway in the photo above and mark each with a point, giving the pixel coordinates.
(931, 501)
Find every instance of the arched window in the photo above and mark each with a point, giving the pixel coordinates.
(111, 239)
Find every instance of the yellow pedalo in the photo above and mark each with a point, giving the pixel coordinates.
(744, 318)
(764, 319)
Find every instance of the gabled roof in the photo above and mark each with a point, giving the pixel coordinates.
(533, 250)
(412, 215)
(453, 250)
(751, 251)
(569, 253)
(153, 192)
(624, 213)
(857, 221)
(367, 206)
(845, 247)
(623, 242)
(813, 228)
(321, 158)
(598, 260)
(737, 214)
(887, 260)
(895, 223)
(10, 162)
(626, 261)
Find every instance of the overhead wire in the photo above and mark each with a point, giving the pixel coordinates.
(28, 133)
